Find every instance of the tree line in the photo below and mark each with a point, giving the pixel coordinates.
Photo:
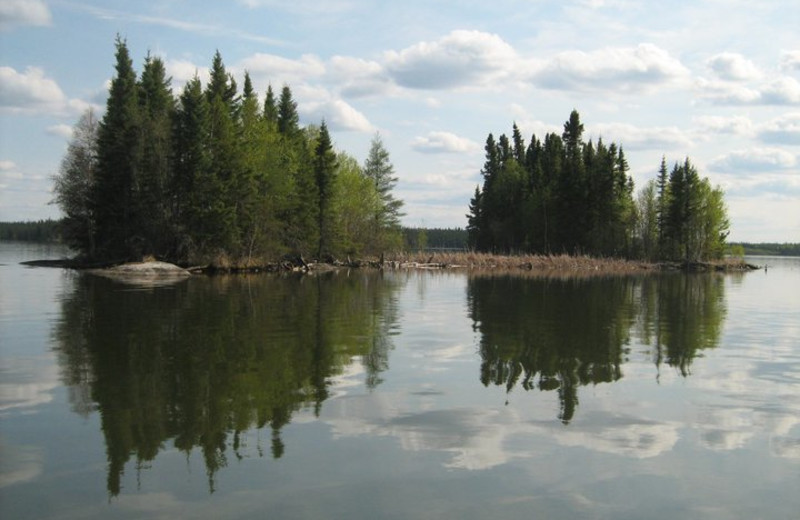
(35, 231)
(214, 174)
(565, 195)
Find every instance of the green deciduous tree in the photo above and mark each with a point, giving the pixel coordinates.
(72, 186)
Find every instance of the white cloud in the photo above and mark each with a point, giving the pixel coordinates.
(444, 142)
(32, 92)
(358, 77)
(29, 91)
(790, 61)
(273, 68)
(736, 125)
(60, 130)
(7, 165)
(316, 103)
(623, 69)
(183, 71)
(632, 137)
(734, 67)
(754, 160)
(781, 130)
(782, 91)
(24, 12)
(726, 93)
(339, 115)
(459, 59)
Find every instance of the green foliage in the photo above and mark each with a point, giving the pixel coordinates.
(72, 186)
(557, 195)
(116, 225)
(214, 175)
(379, 169)
(240, 354)
(324, 173)
(691, 216)
(565, 195)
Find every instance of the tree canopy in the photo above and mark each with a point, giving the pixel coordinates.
(213, 174)
(566, 195)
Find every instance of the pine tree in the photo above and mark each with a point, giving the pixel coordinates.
(378, 168)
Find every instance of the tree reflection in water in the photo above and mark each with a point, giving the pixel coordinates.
(203, 361)
(560, 333)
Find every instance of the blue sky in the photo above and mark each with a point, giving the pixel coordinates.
(716, 81)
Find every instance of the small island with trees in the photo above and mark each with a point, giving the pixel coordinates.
(213, 177)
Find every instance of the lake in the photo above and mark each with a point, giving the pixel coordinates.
(400, 394)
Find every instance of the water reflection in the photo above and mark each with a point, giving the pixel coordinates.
(563, 333)
(680, 316)
(200, 363)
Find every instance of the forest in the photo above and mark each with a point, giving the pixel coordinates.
(214, 175)
(564, 195)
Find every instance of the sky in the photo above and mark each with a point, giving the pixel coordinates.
(717, 81)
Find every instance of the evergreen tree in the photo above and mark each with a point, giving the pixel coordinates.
(288, 119)
(324, 172)
(117, 224)
(249, 179)
(194, 187)
(225, 161)
(378, 168)
(572, 189)
(474, 221)
(271, 109)
(156, 105)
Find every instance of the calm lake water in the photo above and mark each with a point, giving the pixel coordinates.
(399, 395)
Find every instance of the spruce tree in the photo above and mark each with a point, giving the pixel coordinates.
(117, 224)
(225, 163)
(288, 119)
(153, 202)
(270, 109)
(324, 173)
(194, 187)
